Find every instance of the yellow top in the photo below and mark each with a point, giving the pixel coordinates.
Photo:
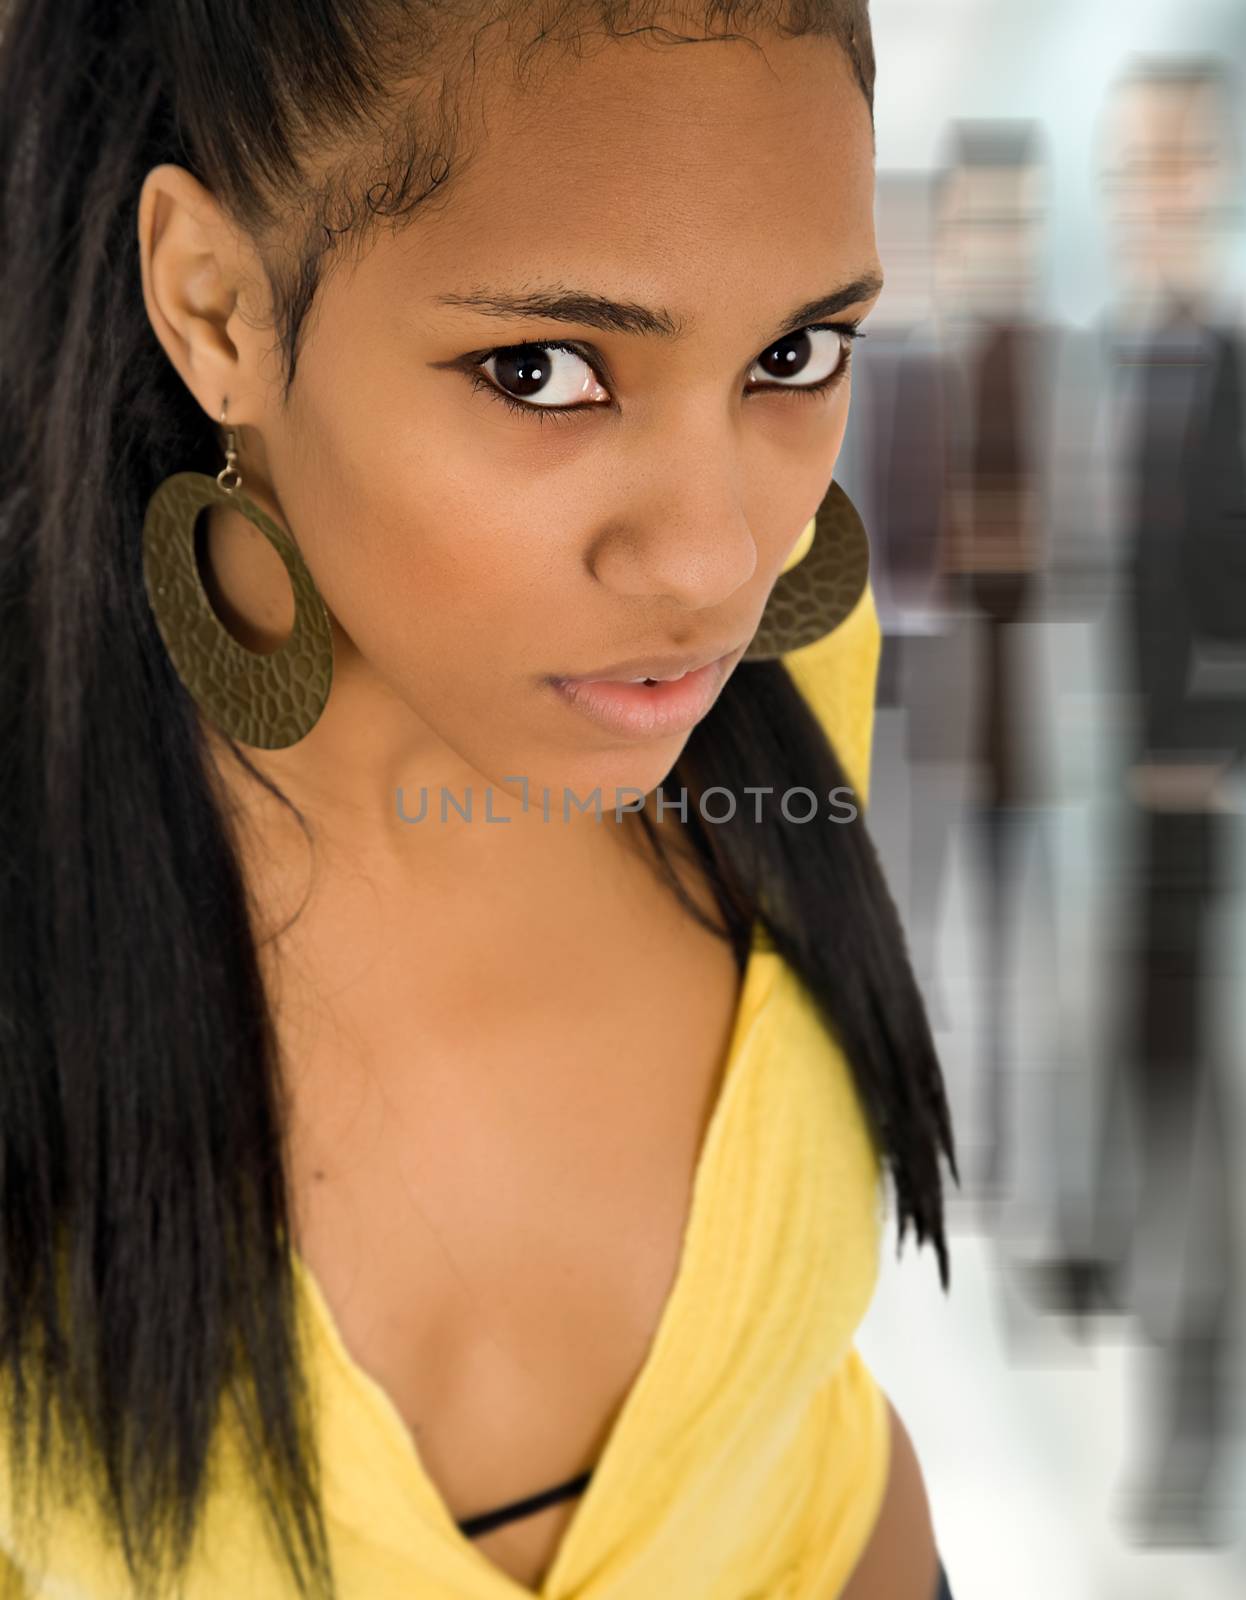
(751, 1455)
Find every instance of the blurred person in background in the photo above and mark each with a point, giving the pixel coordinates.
(1000, 353)
(1158, 407)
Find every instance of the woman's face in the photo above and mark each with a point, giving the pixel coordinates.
(468, 551)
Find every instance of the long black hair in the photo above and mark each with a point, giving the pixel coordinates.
(145, 1278)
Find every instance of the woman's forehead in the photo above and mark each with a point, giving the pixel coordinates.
(658, 158)
(708, 128)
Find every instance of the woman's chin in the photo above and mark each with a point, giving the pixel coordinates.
(606, 785)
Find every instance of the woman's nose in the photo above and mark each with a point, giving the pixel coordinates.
(687, 539)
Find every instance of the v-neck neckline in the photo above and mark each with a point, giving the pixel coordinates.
(755, 986)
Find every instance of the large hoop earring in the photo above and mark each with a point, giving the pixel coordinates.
(812, 598)
(270, 701)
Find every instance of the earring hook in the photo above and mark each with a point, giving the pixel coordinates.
(230, 470)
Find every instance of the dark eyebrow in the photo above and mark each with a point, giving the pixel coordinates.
(625, 316)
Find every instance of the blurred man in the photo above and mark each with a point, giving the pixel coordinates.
(1000, 355)
(1171, 428)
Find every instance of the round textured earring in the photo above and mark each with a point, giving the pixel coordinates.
(271, 700)
(812, 598)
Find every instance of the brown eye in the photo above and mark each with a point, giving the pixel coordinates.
(545, 375)
(799, 356)
(522, 373)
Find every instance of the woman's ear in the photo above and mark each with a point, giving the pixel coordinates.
(197, 271)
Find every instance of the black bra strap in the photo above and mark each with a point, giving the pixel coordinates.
(487, 1520)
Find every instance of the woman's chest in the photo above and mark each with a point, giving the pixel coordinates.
(492, 1187)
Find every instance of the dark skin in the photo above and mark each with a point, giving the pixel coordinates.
(444, 985)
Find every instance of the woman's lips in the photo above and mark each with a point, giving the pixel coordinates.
(642, 710)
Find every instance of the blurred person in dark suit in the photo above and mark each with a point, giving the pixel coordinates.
(999, 358)
(947, 459)
(1166, 375)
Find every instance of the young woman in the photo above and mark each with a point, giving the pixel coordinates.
(422, 1178)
